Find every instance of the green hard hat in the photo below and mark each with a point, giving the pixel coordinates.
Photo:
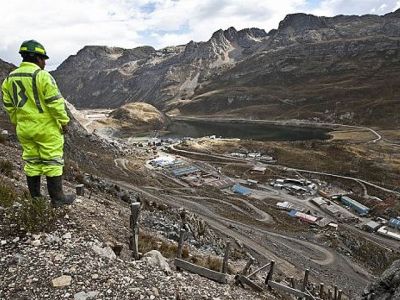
(33, 46)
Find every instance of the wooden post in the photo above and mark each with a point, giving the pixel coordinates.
(245, 280)
(270, 273)
(226, 257)
(321, 290)
(248, 265)
(180, 244)
(335, 292)
(258, 270)
(292, 284)
(183, 216)
(80, 189)
(134, 243)
(279, 286)
(213, 275)
(305, 280)
(339, 297)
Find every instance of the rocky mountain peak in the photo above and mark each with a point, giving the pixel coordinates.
(224, 36)
(253, 32)
(302, 22)
(232, 35)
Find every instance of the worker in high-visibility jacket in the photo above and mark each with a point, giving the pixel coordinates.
(37, 109)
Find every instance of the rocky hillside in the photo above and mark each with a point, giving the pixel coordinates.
(5, 68)
(343, 69)
(110, 77)
(387, 286)
(82, 252)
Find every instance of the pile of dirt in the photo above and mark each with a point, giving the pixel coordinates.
(139, 115)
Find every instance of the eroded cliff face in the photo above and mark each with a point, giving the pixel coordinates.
(342, 69)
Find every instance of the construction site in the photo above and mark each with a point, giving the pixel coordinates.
(302, 219)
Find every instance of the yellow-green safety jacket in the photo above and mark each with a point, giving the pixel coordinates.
(37, 108)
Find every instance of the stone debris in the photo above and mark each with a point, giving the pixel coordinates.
(61, 281)
(106, 252)
(155, 258)
(86, 274)
(67, 236)
(86, 295)
(35, 243)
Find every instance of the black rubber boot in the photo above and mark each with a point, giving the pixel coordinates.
(55, 188)
(34, 186)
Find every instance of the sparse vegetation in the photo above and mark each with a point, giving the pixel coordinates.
(210, 262)
(3, 139)
(72, 171)
(36, 215)
(7, 195)
(6, 167)
(21, 213)
(168, 249)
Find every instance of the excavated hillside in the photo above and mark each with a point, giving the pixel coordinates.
(341, 69)
(134, 117)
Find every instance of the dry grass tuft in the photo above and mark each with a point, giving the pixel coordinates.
(6, 167)
(148, 242)
(21, 214)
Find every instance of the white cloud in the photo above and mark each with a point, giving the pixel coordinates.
(354, 7)
(64, 27)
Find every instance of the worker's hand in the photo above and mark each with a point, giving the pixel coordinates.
(64, 129)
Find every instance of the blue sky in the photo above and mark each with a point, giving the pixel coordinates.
(65, 27)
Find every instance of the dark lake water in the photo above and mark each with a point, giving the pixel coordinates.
(243, 130)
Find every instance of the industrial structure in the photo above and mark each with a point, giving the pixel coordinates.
(361, 209)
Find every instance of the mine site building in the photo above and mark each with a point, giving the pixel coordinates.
(318, 201)
(387, 233)
(323, 194)
(302, 216)
(331, 210)
(252, 182)
(284, 205)
(371, 226)
(301, 182)
(361, 209)
(258, 169)
(236, 154)
(296, 189)
(185, 171)
(395, 223)
(239, 189)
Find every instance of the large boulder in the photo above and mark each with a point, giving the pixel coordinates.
(156, 259)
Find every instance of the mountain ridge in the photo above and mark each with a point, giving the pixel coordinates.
(334, 69)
